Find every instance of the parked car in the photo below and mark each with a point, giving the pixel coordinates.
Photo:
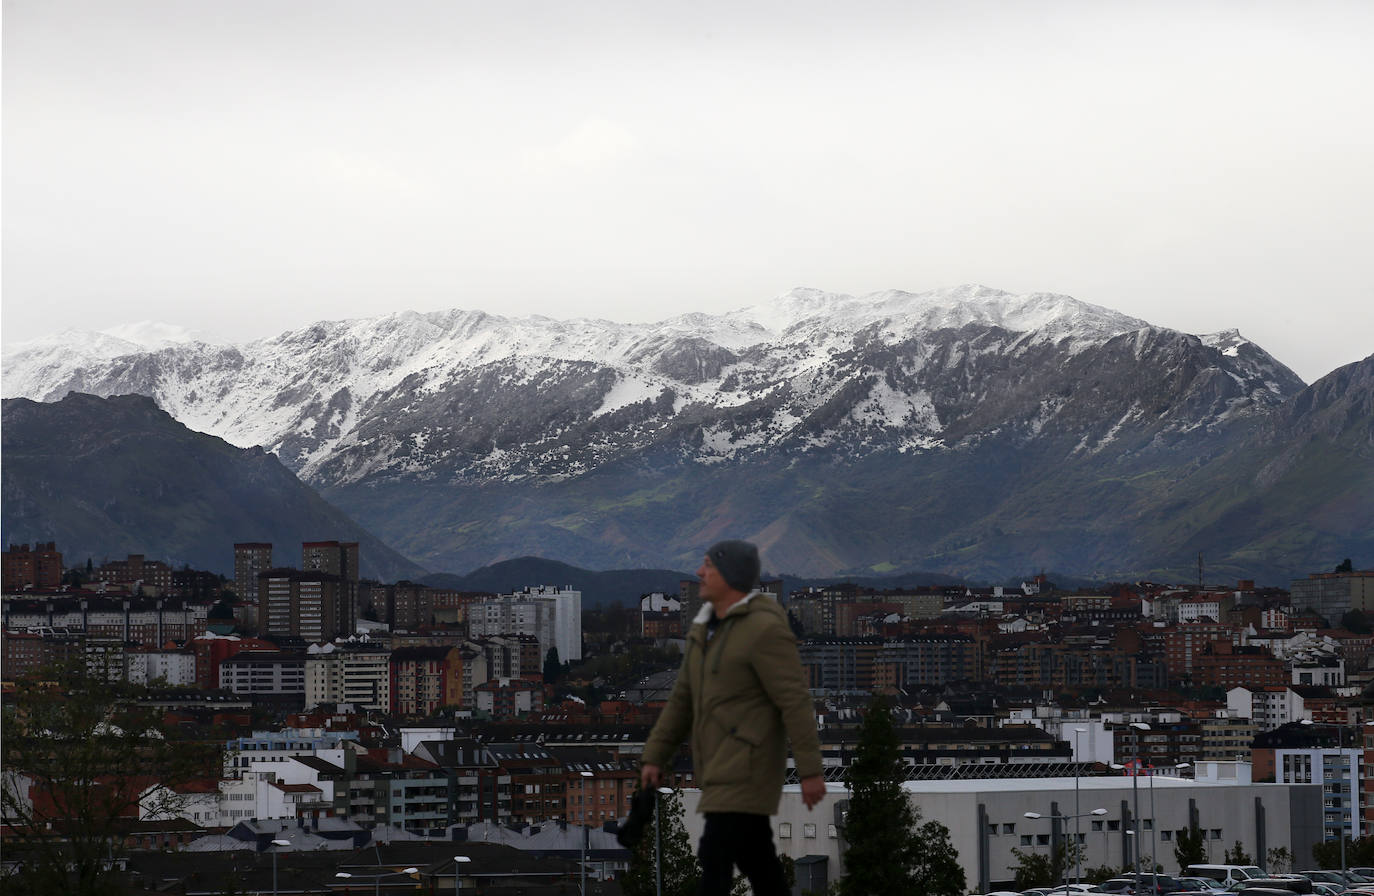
(1201, 885)
(1319, 876)
(1294, 884)
(1226, 875)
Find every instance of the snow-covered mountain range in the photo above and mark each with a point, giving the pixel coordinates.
(462, 437)
(316, 394)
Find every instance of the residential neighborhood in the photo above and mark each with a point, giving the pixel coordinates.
(396, 725)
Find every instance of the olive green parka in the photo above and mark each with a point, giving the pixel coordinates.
(742, 695)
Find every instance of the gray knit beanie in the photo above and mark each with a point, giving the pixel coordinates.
(737, 562)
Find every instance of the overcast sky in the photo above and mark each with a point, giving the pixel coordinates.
(245, 167)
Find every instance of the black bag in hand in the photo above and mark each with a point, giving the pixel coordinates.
(641, 813)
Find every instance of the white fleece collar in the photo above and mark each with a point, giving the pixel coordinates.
(707, 609)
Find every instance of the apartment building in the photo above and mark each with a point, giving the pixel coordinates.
(509, 698)
(335, 558)
(251, 559)
(264, 673)
(302, 604)
(139, 620)
(36, 568)
(552, 615)
(423, 679)
(136, 570)
(358, 674)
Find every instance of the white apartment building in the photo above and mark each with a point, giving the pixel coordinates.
(171, 667)
(254, 672)
(1199, 609)
(1267, 707)
(357, 674)
(551, 614)
(1321, 671)
(1337, 771)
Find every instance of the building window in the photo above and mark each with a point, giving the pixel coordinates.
(1025, 839)
(809, 831)
(1216, 833)
(1042, 839)
(785, 831)
(1009, 829)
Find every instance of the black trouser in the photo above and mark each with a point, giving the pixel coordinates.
(739, 839)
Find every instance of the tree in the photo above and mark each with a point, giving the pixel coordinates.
(1280, 860)
(681, 871)
(1034, 869)
(1345, 566)
(1328, 853)
(78, 753)
(1189, 848)
(553, 669)
(1356, 621)
(1237, 855)
(1100, 874)
(888, 849)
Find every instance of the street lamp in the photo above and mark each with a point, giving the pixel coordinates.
(1078, 866)
(458, 862)
(1078, 858)
(1135, 794)
(658, 842)
(377, 878)
(585, 776)
(274, 863)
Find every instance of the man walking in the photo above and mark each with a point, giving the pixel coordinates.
(741, 693)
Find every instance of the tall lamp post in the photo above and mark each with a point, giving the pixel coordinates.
(1077, 758)
(277, 843)
(585, 781)
(377, 878)
(1077, 855)
(458, 863)
(658, 841)
(1135, 795)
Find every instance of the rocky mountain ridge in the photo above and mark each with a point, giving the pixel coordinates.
(465, 438)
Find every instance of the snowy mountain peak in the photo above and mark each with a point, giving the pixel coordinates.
(153, 335)
(1228, 342)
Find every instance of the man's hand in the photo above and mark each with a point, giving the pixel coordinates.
(650, 776)
(812, 788)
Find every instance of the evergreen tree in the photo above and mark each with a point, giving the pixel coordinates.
(681, 872)
(888, 849)
(1035, 869)
(1237, 855)
(1189, 848)
(553, 669)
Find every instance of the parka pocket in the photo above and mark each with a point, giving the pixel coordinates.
(734, 757)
